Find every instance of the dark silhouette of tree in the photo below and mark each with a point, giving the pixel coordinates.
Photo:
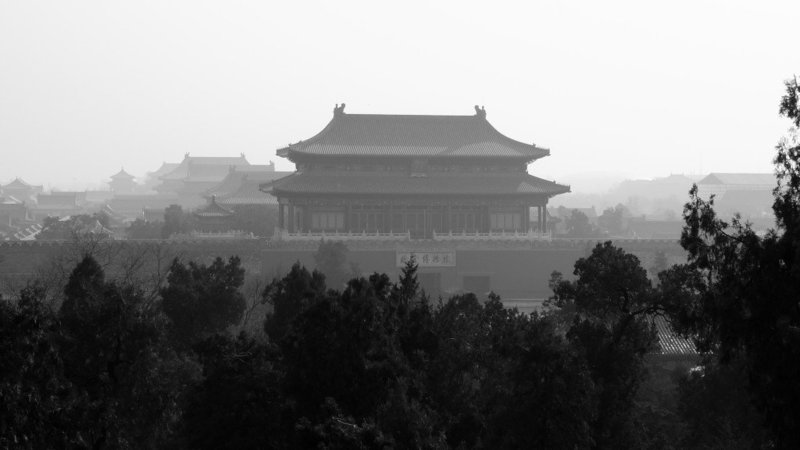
(36, 408)
(240, 404)
(737, 296)
(203, 300)
(114, 352)
(610, 302)
(289, 297)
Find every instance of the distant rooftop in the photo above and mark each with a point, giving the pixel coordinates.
(19, 183)
(122, 175)
(205, 168)
(740, 179)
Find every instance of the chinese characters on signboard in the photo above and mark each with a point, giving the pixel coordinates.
(428, 259)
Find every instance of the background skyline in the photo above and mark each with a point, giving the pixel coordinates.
(619, 89)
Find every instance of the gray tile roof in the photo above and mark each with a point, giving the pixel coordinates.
(412, 136)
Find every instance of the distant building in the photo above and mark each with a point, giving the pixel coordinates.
(749, 194)
(153, 179)
(718, 183)
(59, 204)
(196, 174)
(213, 218)
(21, 191)
(14, 215)
(241, 186)
(134, 206)
(122, 182)
(421, 175)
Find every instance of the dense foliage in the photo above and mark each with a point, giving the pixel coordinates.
(738, 295)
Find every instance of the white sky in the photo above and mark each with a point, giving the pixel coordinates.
(638, 89)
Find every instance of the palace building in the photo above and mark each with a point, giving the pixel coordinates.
(429, 177)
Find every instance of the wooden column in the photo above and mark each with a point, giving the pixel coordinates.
(539, 218)
(544, 217)
(526, 219)
(291, 218)
(281, 221)
(347, 220)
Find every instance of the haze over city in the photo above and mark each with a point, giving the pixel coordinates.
(615, 90)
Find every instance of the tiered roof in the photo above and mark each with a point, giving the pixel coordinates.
(213, 209)
(20, 184)
(122, 176)
(416, 136)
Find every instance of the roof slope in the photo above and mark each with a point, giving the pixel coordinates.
(19, 183)
(122, 175)
(388, 183)
(412, 136)
(213, 210)
(747, 179)
(242, 187)
(669, 342)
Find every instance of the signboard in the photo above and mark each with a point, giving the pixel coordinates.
(428, 259)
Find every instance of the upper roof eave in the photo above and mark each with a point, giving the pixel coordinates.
(430, 136)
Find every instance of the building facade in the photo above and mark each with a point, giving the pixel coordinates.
(425, 176)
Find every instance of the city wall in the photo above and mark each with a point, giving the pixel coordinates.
(512, 269)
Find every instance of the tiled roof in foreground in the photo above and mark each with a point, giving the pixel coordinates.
(670, 344)
(412, 136)
(400, 183)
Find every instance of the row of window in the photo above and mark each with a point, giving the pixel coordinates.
(414, 221)
(415, 168)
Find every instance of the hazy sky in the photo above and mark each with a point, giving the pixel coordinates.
(636, 88)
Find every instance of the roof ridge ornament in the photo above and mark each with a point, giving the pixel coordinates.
(338, 110)
(480, 112)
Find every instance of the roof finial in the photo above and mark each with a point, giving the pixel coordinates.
(338, 110)
(186, 155)
(480, 112)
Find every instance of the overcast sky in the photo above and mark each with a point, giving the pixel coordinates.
(637, 89)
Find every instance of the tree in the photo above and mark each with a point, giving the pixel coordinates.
(289, 297)
(610, 304)
(74, 227)
(331, 259)
(203, 300)
(612, 220)
(37, 409)
(115, 353)
(578, 225)
(737, 295)
(241, 401)
(142, 229)
(176, 221)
